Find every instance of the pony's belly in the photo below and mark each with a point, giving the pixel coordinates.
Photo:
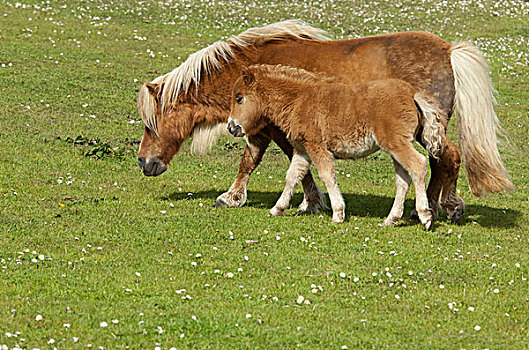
(355, 149)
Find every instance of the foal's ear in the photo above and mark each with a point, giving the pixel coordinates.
(248, 76)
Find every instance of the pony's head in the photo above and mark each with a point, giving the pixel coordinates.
(247, 107)
(165, 129)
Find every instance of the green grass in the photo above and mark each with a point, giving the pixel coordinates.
(88, 239)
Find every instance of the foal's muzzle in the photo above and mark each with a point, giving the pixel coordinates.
(152, 166)
(234, 129)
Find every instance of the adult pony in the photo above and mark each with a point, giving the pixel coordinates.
(194, 100)
(324, 119)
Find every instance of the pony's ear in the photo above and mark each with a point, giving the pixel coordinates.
(248, 76)
(154, 89)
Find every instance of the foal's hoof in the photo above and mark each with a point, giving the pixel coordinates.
(428, 225)
(337, 218)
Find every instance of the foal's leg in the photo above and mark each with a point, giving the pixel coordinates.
(416, 165)
(324, 162)
(313, 198)
(403, 181)
(299, 166)
(253, 153)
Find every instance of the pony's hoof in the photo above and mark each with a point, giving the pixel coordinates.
(275, 212)
(313, 206)
(388, 222)
(231, 200)
(219, 204)
(413, 216)
(455, 215)
(306, 208)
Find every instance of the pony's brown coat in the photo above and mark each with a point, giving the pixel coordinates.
(422, 59)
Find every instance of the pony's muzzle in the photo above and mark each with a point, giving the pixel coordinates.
(152, 166)
(234, 129)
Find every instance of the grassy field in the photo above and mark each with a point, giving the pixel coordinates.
(95, 255)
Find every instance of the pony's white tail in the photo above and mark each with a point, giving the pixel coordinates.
(433, 133)
(478, 123)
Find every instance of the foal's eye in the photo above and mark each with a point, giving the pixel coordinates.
(239, 99)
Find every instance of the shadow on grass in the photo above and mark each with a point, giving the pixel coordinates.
(369, 205)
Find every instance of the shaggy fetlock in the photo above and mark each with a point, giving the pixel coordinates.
(231, 199)
(454, 208)
(313, 202)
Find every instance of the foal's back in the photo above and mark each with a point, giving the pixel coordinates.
(353, 119)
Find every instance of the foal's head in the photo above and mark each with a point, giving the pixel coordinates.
(247, 107)
(165, 129)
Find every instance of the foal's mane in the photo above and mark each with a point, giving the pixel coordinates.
(290, 74)
(211, 58)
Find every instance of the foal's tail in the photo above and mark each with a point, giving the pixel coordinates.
(433, 133)
(478, 124)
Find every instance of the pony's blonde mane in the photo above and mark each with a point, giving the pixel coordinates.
(290, 74)
(211, 58)
(147, 108)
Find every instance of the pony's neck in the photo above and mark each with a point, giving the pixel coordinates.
(212, 99)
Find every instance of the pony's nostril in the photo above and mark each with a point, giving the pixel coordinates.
(141, 162)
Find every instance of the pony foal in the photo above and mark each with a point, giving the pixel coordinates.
(325, 119)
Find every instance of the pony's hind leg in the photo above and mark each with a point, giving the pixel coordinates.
(417, 166)
(403, 181)
(299, 166)
(324, 162)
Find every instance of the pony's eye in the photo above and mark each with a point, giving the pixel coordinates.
(239, 99)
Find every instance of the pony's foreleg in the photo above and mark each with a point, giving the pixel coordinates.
(313, 197)
(324, 162)
(450, 202)
(445, 172)
(253, 153)
(403, 181)
(299, 166)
